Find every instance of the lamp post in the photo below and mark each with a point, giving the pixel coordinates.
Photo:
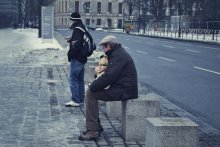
(123, 21)
(179, 14)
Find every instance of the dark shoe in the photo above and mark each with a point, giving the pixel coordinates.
(100, 130)
(89, 135)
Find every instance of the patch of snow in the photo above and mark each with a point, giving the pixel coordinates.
(31, 41)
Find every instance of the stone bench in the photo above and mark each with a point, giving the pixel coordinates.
(114, 109)
(171, 132)
(134, 114)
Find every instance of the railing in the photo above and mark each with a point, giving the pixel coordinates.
(194, 34)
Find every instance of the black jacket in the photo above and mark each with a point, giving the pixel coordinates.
(120, 74)
(76, 43)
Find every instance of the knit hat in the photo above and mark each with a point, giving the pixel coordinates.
(110, 39)
(75, 16)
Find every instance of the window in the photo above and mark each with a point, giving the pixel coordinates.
(120, 23)
(109, 23)
(62, 7)
(59, 6)
(110, 7)
(66, 22)
(88, 22)
(99, 7)
(120, 8)
(99, 22)
(65, 6)
(76, 6)
(86, 7)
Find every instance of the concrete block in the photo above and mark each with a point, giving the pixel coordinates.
(102, 103)
(114, 109)
(171, 132)
(134, 113)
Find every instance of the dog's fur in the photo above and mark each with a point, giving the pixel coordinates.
(100, 69)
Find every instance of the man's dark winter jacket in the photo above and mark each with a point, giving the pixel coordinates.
(76, 43)
(120, 74)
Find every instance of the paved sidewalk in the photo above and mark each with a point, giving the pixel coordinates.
(33, 114)
(33, 90)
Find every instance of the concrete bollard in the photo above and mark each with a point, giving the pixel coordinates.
(171, 132)
(134, 113)
(114, 108)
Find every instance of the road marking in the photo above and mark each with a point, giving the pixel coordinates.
(208, 47)
(168, 46)
(137, 41)
(219, 56)
(168, 41)
(193, 51)
(185, 44)
(126, 47)
(166, 59)
(142, 52)
(207, 70)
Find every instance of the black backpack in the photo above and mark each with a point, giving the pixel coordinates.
(88, 45)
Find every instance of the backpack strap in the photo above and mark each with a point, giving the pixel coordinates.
(80, 29)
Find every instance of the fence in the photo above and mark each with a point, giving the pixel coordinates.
(198, 34)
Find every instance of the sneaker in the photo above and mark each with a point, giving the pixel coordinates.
(89, 135)
(72, 104)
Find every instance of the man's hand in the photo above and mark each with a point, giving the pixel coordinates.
(68, 39)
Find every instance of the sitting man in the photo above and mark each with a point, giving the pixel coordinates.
(120, 75)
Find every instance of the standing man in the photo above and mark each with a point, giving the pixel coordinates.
(77, 61)
(120, 75)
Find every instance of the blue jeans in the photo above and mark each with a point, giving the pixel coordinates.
(77, 85)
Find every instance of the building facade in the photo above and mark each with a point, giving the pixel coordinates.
(94, 13)
(8, 12)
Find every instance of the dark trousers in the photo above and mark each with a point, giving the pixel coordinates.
(92, 108)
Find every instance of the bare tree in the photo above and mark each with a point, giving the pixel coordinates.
(25, 8)
(157, 8)
(131, 6)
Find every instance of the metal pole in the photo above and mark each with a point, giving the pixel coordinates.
(139, 15)
(179, 14)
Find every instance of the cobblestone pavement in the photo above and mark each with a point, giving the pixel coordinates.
(33, 114)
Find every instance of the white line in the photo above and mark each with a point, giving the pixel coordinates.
(185, 44)
(168, 41)
(142, 52)
(166, 59)
(193, 51)
(208, 47)
(207, 70)
(168, 46)
(137, 41)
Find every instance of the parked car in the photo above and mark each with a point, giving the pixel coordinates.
(91, 27)
(99, 29)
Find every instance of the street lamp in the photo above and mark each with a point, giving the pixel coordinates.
(179, 14)
(123, 21)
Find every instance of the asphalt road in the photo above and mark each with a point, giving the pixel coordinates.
(186, 73)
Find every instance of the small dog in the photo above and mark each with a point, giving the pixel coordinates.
(100, 69)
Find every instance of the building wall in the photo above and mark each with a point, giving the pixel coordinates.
(8, 12)
(92, 15)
